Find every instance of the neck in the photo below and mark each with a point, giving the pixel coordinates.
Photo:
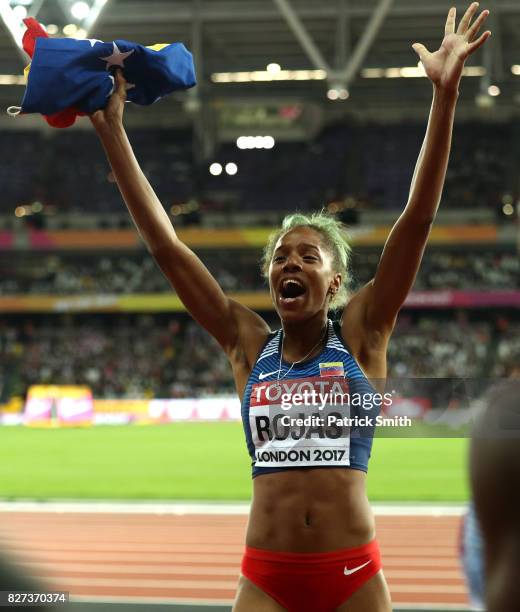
(302, 337)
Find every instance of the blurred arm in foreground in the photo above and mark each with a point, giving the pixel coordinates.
(495, 480)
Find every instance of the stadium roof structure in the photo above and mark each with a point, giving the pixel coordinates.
(357, 52)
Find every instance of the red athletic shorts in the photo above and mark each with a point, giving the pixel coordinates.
(311, 582)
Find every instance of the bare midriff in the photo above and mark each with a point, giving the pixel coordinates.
(310, 510)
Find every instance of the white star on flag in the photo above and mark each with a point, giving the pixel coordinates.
(117, 58)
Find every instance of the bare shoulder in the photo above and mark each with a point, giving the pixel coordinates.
(252, 334)
(367, 343)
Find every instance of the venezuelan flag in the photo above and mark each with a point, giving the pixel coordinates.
(332, 368)
(70, 77)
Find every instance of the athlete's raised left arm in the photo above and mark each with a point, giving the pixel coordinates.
(405, 244)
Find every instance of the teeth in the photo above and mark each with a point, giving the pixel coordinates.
(295, 282)
(291, 289)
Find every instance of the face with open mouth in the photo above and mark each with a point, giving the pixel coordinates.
(301, 274)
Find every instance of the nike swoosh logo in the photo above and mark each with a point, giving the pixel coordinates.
(355, 569)
(263, 375)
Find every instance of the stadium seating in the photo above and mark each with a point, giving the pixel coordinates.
(136, 272)
(372, 163)
(145, 356)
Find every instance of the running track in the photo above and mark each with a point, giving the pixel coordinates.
(181, 554)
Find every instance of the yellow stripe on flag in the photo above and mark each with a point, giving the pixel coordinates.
(158, 46)
(332, 364)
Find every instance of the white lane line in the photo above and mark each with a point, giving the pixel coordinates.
(124, 508)
(181, 509)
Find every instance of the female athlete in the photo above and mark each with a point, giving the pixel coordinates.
(310, 543)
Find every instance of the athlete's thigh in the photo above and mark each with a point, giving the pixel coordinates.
(250, 597)
(373, 595)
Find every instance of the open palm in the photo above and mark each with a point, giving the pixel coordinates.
(444, 67)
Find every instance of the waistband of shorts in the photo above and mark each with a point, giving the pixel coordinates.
(371, 548)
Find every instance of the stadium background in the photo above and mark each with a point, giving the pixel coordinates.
(333, 109)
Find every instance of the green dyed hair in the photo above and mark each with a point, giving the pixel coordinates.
(335, 238)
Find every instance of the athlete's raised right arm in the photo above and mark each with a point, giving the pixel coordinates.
(223, 318)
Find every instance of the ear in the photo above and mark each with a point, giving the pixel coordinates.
(335, 284)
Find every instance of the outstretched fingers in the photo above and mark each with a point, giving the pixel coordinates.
(450, 21)
(421, 51)
(479, 42)
(466, 20)
(474, 29)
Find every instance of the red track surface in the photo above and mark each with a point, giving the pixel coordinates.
(198, 556)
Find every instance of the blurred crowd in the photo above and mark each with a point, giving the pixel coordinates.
(439, 348)
(83, 182)
(164, 356)
(469, 270)
(369, 162)
(134, 272)
(480, 167)
(63, 274)
(507, 362)
(133, 356)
